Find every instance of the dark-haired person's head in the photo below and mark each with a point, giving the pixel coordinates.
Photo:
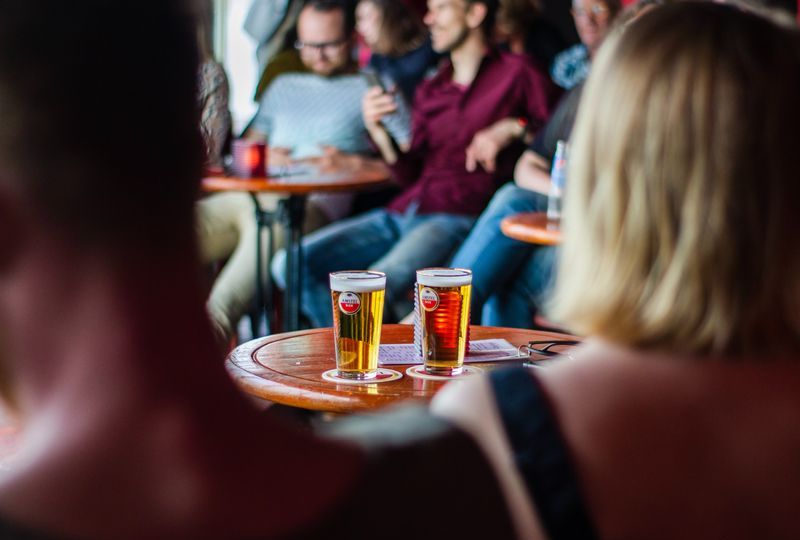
(517, 17)
(683, 215)
(451, 21)
(99, 134)
(325, 36)
(389, 27)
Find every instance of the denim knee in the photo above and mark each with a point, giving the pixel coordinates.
(278, 269)
(512, 198)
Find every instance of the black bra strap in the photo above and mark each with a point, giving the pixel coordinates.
(541, 454)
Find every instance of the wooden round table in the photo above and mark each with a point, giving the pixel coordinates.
(287, 369)
(295, 188)
(301, 184)
(532, 227)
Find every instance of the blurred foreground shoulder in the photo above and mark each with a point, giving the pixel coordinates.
(426, 468)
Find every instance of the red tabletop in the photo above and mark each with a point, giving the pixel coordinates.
(532, 227)
(287, 369)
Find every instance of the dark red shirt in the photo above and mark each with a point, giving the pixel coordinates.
(445, 118)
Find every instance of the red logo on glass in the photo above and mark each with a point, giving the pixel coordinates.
(349, 303)
(429, 299)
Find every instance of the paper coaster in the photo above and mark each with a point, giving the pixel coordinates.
(384, 375)
(418, 372)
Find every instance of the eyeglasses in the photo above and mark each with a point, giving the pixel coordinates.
(549, 349)
(598, 11)
(555, 347)
(327, 47)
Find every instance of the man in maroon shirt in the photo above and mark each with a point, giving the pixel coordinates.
(468, 128)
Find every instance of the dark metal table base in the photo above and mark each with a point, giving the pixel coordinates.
(291, 212)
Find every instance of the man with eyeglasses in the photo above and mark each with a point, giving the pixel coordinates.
(301, 112)
(469, 123)
(592, 21)
(304, 117)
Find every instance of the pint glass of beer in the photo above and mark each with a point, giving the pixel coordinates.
(357, 317)
(443, 296)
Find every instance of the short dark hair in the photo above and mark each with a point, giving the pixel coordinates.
(402, 30)
(100, 115)
(347, 8)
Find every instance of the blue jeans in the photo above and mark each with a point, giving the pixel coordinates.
(517, 302)
(397, 244)
(494, 258)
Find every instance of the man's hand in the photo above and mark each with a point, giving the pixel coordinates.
(279, 156)
(488, 142)
(375, 105)
(532, 172)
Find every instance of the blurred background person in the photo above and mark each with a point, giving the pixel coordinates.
(213, 94)
(304, 116)
(510, 279)
(679, 417)
(268, 22)
(400, 46)
(592, 19)
(273, 26)
(522, 29)
(466, 135)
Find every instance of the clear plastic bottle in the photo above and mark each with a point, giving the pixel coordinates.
(417, 324)
(558, 180)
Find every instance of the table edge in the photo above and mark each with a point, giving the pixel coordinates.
(242, 368)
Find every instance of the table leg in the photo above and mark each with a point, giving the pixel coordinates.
(272, 313)
(292, 214)
(263, 219)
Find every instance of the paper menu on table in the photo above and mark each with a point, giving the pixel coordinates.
(292, 169)
(482, 350)
(490, 350)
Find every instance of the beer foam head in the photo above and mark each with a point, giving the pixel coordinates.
(357, 281)
(444, 277)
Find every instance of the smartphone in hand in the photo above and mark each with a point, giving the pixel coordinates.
(374, 80)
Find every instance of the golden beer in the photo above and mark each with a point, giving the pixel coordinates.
(443, 296)
(357, 317)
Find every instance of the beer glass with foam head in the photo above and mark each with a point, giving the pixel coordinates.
(357, 317)
(443, 296)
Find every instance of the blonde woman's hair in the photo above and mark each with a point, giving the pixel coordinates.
(682, 217)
